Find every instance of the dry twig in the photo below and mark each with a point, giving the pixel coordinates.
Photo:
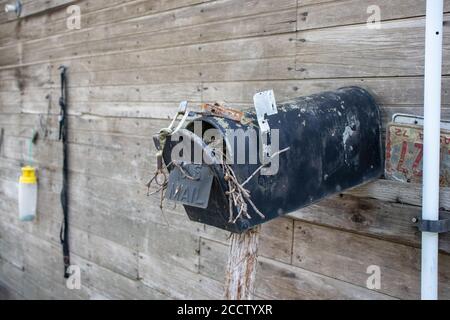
(238, 196)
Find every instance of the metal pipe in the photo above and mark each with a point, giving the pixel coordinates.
(431, 162)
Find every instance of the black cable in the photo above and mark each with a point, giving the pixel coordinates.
(64, 234)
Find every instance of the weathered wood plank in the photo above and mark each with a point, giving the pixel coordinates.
(111, 285)
(111, 255)
(398, 192)
(94, 13)
(183, 17)
(396, 49)
(213, 259)
(9, 294)
(11, 250)
(276, 240)
(256, 69)
(347, 257)
(273, 69)
(177, 282)
(280, 281)
(248, 27)
(30, 8)
(234, 49)
(11, 279)
(93, 278)
(386, 91)
(277, 280)
(213, 26)
(314, 15)
(104, 94)
(173, 246)
(43, 273)
(390, 221)
(41, 6)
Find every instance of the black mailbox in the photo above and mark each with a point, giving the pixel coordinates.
(331, 142)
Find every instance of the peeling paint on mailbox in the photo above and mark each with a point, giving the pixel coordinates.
(334, 142)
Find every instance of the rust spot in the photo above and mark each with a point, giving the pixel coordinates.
(219, 110)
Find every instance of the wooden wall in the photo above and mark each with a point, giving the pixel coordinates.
(129, 66)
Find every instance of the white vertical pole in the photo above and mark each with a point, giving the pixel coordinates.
(431, 161)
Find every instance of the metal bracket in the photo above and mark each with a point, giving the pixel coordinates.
(402, 118)
(437, 226)
(16, 8)
(265, 105)
(183, 110)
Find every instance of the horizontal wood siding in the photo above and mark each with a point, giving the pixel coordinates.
(130, 64)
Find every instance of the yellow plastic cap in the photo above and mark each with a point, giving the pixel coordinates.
(28, 175)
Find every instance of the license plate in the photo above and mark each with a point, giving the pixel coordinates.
(190, 186)
(404, 154)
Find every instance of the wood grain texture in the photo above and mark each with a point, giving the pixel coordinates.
(279, 281)
(325, 14)
(396, 49)
(346, 256)
(129, 66)
(241, 267)
(371, 217)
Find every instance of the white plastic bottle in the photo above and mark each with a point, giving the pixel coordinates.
(28, 194)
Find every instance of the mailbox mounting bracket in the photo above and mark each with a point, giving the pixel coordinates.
(402, 118)
(265, 105)
(433, 226)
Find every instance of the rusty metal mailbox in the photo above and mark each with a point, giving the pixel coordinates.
(308, 148)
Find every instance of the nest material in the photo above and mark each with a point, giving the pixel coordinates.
(238, 196)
